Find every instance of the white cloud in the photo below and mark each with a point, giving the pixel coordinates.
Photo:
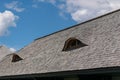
(78, 14)
(14, 6)
(81, 10)
(7, 19)
(12, 50)
(94, 8)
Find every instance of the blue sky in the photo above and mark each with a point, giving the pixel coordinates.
(22, 21)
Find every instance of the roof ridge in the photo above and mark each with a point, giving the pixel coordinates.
(79, 23)
(2, 46)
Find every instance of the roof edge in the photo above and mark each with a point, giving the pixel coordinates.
(79, 24)
(93, 71)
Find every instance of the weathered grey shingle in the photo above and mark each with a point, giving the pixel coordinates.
(4, 51)
(102, 35)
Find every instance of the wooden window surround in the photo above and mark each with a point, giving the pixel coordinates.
(73, 43)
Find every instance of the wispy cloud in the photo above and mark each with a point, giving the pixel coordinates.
(14, 5)
(36, 2)
(81, 10)
(35, 6)
(50, 1)
(7, 19)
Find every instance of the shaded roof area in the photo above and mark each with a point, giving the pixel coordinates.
(44, 55)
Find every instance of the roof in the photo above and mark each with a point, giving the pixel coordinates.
(4, 51)
(44, 55)
(79, 24)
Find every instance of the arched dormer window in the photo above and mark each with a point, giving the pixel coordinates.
(73, 43)
(16, 58)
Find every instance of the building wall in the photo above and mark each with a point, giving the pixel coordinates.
(116, 77)
(72, 78)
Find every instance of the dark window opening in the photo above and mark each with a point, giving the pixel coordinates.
(73, 43)
(16, 58)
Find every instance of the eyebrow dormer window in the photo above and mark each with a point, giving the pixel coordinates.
(16, 58)
(73, 43)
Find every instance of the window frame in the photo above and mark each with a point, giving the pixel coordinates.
(69, 44)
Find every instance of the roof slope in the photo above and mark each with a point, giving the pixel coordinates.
(102, 35)
(4, 51)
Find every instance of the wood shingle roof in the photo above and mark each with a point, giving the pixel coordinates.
(102, 35)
